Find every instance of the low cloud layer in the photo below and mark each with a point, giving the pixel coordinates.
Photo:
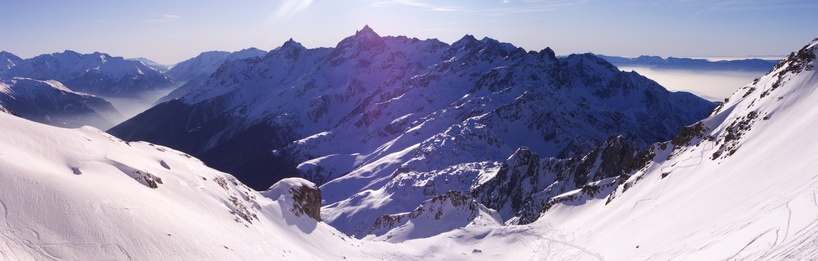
(711, 85)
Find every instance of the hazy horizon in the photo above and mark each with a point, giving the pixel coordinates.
(169, 32)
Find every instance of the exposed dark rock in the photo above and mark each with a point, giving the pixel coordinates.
(525, 184)
(307, 201)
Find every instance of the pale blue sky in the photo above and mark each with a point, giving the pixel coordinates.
(172, 31)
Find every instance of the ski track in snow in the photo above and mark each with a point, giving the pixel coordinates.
(779, 239)
(3, 228)
(686, 163)
(544, 251)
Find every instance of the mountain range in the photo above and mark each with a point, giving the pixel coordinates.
(381, 113)
(675, 63)
(262, 118)
(69, 89)
(96, 73)
(191, 72)
(418, 149)
(86, 80)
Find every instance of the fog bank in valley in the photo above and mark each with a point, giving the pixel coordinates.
(711, 85)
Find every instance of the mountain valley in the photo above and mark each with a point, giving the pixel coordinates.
(397, 148)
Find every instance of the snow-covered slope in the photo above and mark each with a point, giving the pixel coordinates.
(81, 194)
(52, 103)
(97, 73)
(740, 184)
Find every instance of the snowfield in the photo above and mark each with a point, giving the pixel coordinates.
(81, 194)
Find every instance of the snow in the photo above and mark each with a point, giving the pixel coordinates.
(282, 188)
(76, 194)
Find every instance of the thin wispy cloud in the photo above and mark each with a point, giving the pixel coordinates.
(707, 6)
(290, 8)
(420, 4)
(168, 18)
(529, 7)
(498, 8)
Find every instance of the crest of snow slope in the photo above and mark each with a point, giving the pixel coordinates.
(97, 73)
(739, 185)
(81, 194)
(52, 103)
(156, 66)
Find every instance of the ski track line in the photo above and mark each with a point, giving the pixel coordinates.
(686, 163)
(777, 230)
(564, 243)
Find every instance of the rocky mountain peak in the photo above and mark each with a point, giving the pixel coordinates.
(466, 40)
(8, 60)
(67, 53)
(366, 32)
(291, 49)
(363, 40)
(292, 44)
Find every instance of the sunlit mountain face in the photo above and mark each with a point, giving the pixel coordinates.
(371, 96)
